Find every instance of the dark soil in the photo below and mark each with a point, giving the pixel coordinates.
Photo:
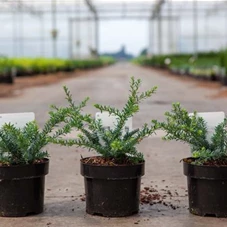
(151, 196)
(101, 161)
(16, 164)
(218, 162)
(83, 198)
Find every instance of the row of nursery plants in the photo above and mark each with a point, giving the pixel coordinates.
(118, 166)
(11, 67)
(209, 66)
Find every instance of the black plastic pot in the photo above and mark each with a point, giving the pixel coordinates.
(112, 191)
(22, 189)
(207, 189)
(213, 77)
(224, 80)
(8, 79)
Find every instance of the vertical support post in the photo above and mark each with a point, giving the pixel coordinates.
(78, 41)
(153, 37)
(170, 27)
(179, 36)
(149, 50)
(77, 30)
(54, 29)
(19, 28)
(21, 20)
(207, 33)
(70, 50)
(14, 28)
(225, 23)
(97, 35)
(42, 39)
(89, 35)
(195, 25)
(159, 34)
(93, 10)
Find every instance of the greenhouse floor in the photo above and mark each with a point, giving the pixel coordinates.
(64, 201)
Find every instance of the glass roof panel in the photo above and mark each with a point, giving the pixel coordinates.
(108, 8)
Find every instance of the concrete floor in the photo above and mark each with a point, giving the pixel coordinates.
(64, 185)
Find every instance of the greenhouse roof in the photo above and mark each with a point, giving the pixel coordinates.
(113, 9)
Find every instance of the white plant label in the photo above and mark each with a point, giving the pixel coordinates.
(110, 121)
(17, 119)
(213, 119)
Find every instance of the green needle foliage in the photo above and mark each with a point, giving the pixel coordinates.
(109, 143)
(19, 146)
(193, 130)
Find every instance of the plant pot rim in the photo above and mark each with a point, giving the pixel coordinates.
(45, 160)
(24, 171)
(204, 172)
(113, 166)
(204, 166)
(112, 172)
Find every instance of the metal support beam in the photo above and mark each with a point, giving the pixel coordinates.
(42, 36)
(220, 6)
(54, 28)
(150, 38)
(21, 30)
(133, 17)
(160, 37)
(156, 13)
(179, 35)
(78, 33)
(14, 32)
(207, 31)
(23, 7)
(70, 24)
(94, 11)
(153, 37)
(19, 39)
(157, 9)
(225, 24)
(170, 28)
(97, 36)
(195, 27)
(92, 8)
(110, 11)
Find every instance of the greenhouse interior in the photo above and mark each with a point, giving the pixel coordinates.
(83, 82)
(71, 28)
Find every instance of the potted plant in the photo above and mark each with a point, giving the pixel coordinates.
(24, 164)
(112, 178)
(206, 169)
